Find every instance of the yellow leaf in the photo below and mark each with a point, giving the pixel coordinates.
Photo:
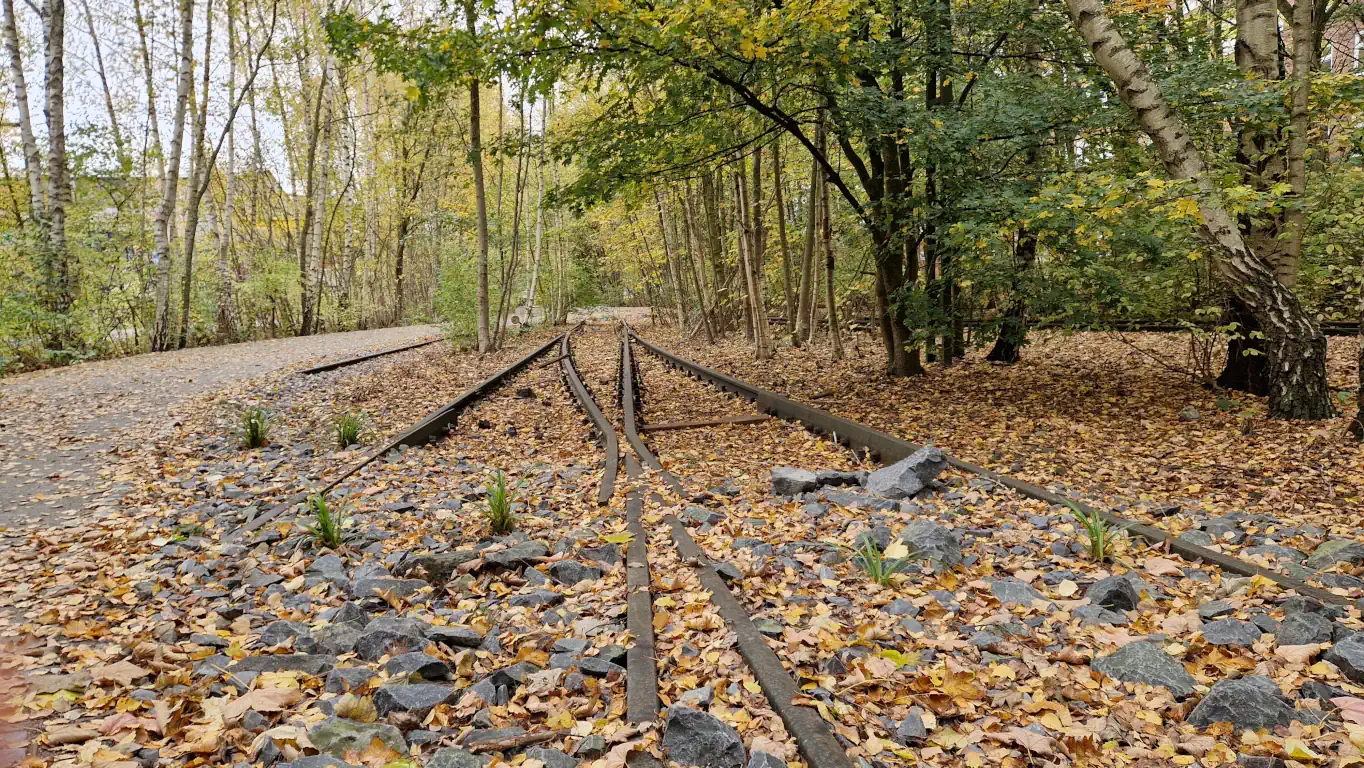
(618, 538)
(1298, 751)
(896, 550)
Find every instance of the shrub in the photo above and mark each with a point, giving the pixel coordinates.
(256, 423)
(327, 522)
(499, 513)
(349, 429)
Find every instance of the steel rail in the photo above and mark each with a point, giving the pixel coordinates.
(610, 443)
(431, 428)
(324, 367)
(889, 449)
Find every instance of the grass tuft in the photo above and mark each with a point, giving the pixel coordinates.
(349, 429)
(256, 423)
(499, 513)
(881, 566)
(327, 522)
(1101, 535)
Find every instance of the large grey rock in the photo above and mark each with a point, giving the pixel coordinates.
(1252, 702)
(1010, 591)
(1304, 628)
(1115, 593)
(765, 760)
(320, 761)
(838, 478)
(1144, 662)
(307, 663)
(374, 644)
(552, 758)
(455, 637)
(436, 568)
(790, 481)
(385, 585)
(329, 567)
(1231, 632)
(569, 572)
(1348, 655)
(929, 541)
(351, 615)
(695, 738)
(1334, 551)
(538, 598)
(454, 758)
(284, 631)
(417, 699)
(336, 736)
(911, 730)
(518, 555)
(343, 679)
(337, 639)
(417, 665)
(909, 475)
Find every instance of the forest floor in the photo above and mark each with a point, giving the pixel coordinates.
(57, 426)
(152, 631)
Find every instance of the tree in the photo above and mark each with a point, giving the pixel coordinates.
(1294, 344)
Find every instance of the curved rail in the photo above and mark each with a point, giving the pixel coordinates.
(889, 449)
(370, 356)
(610, 443)
(430, 429)
(630, 416)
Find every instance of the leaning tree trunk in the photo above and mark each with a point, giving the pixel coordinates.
(200, 173)
(1295, 346)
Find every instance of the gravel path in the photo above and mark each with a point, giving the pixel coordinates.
(57, 426)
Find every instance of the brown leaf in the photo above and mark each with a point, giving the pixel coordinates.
(262, 700)
(1022, 737)
(123, 673)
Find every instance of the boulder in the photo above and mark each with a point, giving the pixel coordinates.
(909, 475)
(1348, 655)
(1334, 551)
(1012, 591)
(570, 572)
(454, 758)
(417, 665)
(343, 679)
(417, 699)
(927, 540)
(455, 637)
(790, 481)
(284, 631)
(694, 738)
(374, 644)
(307, 663)
(336, 736)
(1252, 702)
(436, 568)
(1145, 662)
(1115, 593)
(386, 585)
(1231, 632)
(553, 758)
(839, 478)
(1304, 628)
(337, 639)
(765, 760)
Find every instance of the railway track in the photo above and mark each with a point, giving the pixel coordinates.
(755, 607)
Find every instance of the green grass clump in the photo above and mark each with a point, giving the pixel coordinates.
(499, 513)
(881, 566)
(256, 423)
(349, 429)
(328, 522)
(1101, 535)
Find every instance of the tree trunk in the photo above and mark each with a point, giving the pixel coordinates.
(480, 197)
(161, 231)
(539, 212)
(197, 167)
(1296, 348)
(153, 125)
(788, 278)
(305, 258)
(33, 160)
(225, 322)
(1262, 159)
(756, 257)
(62, 289)
(807, 257)
(1305, 57)
(830, 297)
(319, 261)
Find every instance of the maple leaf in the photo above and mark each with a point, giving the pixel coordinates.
(123, 673)
(261, 700)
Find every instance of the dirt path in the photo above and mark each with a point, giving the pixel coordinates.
(57, 426)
